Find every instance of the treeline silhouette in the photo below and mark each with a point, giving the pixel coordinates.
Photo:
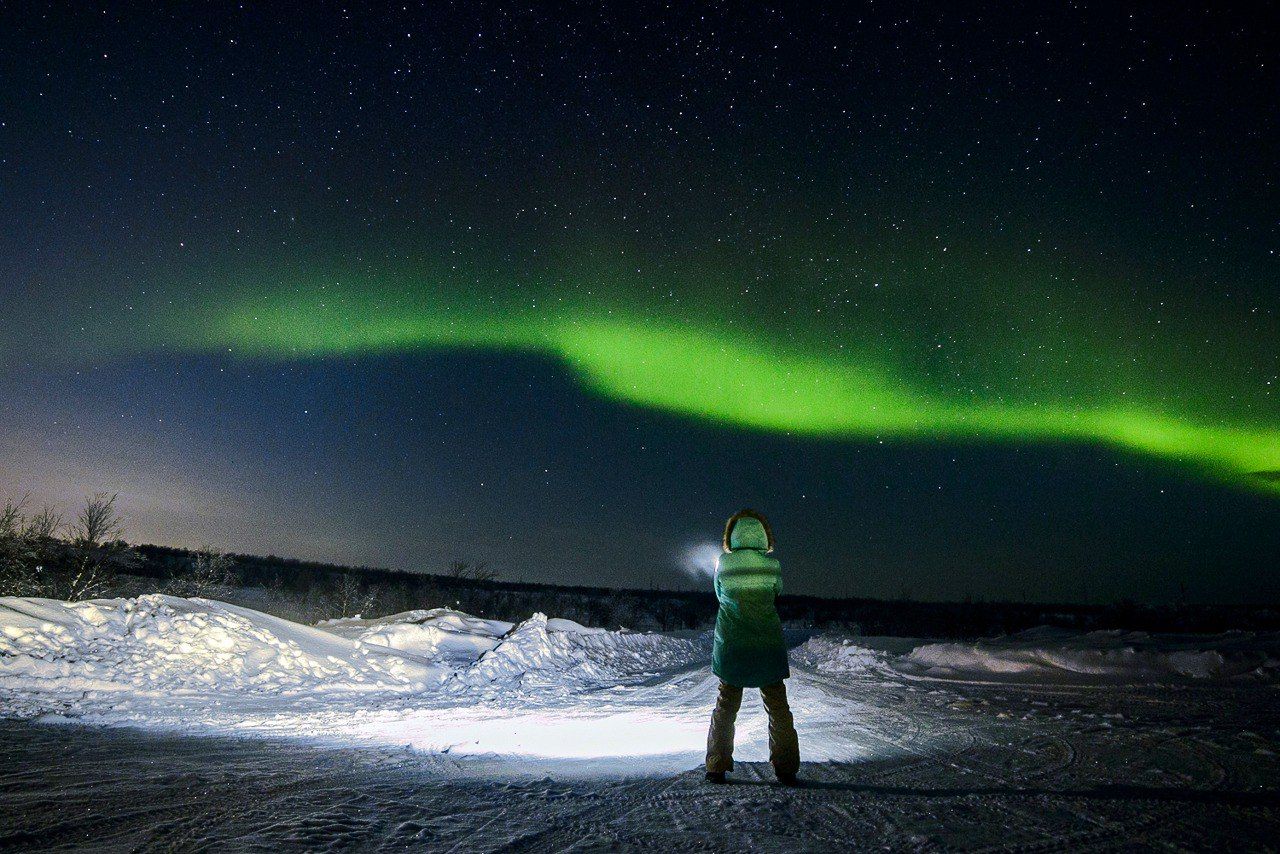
(310, 591)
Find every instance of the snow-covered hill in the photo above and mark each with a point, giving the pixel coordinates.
(92, 656)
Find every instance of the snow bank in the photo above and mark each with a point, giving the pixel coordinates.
(543, 652)
(104, 652)
(1107, 655)
(842, 655)
(1047, 654)
(164, 644)
(538, 651)
(439, 634)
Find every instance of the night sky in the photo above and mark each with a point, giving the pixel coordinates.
(970, 300)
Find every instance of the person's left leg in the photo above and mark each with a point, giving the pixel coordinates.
(784, 745)
(720, 736)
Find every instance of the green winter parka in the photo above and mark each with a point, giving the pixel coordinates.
(749, 650)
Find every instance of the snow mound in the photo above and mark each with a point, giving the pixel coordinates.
(832, 654)
(544, 652)
(1047, 655)
(538, 651)
(1104, 655)
(94, 656)
(559, 624)
(159, 644)
(440, 634)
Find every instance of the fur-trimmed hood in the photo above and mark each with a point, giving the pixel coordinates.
(747, 529)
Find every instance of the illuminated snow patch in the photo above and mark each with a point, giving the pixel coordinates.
(561, 734)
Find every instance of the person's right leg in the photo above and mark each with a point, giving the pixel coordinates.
(784, 746)
(720, 737)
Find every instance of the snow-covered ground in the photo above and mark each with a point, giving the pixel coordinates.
(222, 726)
(1047, 655)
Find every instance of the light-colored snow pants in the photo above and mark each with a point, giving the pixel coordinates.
(784, 747)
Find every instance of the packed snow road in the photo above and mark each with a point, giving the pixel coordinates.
(222, 728)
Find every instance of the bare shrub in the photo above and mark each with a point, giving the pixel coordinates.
(96, 551)
(11, 518)
(27, 549)
(211, 570)
(18, 560)
(350, 598)
(471, 571)
(97, 522)
(45, 525)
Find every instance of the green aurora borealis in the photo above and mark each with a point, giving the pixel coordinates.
(800, 376)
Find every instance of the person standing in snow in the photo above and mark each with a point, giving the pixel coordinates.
(749, 649)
